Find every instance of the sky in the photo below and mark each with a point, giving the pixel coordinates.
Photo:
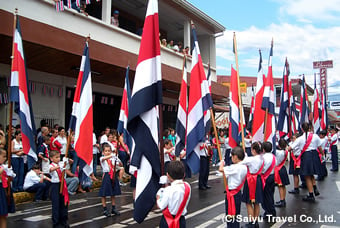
(303, 31)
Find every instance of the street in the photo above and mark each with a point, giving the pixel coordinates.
(206, 209)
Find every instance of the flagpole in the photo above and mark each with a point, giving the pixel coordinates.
(161, 141)
(239, 92)
(66, 155)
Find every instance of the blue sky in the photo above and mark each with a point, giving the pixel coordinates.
(303, 31)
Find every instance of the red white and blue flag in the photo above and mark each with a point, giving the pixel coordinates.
(143, 122)
(283, 125)
(251, 114)
(20, 95)
(259, 113)
(124, 111)
(234, 117)
(268, 103)
(59, 6)
(82, 113)
(316, 104)
(207, 114)
(304, 110)
(181, 123)
(294, 113)
(199, 102)
(324, 117)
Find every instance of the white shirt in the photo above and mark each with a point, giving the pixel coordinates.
(280, 156)
(172, 197)
(254, 163)
(105, 165)
(95, 149)
(166, 155)
(247, 142)
(226, 143)
(268, 159)
(301, 141)
(31, 179)
(334, 138)
(201, 148)
(63, 142)
(103, 139)
(54, 174)
(235, 174)
(324, 142)
(17, 146)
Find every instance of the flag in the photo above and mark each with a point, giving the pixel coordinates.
(78, 3)
(82, 113)
(259, 113)
(124, 111)
(304, 111)
(234, 116)
(283, 125)
(69, 4)
(207, 114)
(199, 102)
(316, 103)
(19, 94)
(268, 103)
(324, 116)
(143, 122)
(59, 6)
(251, 114)
(181, 123)
(294, 113)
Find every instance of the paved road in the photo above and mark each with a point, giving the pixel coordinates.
(206, 209)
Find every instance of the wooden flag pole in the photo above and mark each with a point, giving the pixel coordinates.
(239, 93)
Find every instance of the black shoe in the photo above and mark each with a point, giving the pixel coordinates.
(106, 213)
(280, 204)
(334, 170)
(294, 191)
(115, 212)
(207, 186)
(303, 186)
(316, 192)
(309, 198)
(202, 188)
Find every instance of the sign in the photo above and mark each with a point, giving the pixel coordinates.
(335, 105)
(243, 86)
(323, 64)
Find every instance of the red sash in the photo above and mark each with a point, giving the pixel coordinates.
(267, 173)
(333, 142)
(109, 162)
(230, 197)
(295, 160)
(252, 179)
(173, 222)
(308, 142)
(4, 179)
(64, 192)
(278, 168)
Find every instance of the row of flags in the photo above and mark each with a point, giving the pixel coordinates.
(61, 4)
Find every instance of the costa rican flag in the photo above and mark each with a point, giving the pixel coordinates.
(316, 103)
(82, 113)
(293, 114)
(78, 3)
(59, 6)
(324, 117)
(124, 111)
(207, 115)
(143, 122)
(234, 117)
(199, 102)
(181, 123)
(268, 103)
(69, 4)
(304, 110)
(283, 125)
(20, 95)
(259, 113)
(251, 114)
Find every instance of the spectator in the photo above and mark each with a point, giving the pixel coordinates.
(114, 19)
(170, 44)
(164, 42)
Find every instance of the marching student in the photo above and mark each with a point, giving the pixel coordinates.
(173, 199)
(333, 139)
(253, 190)
(268, 179)
(280, 173)
(18, 162)
(324, 141)
(236, 175)
(294, 165)
(310, 162)
(5, 173)
(59, 200)
(168, 153)
(110, 184)
(247, 143)
(43, 155)
(204, 165)
(183, 158)
(227, 155)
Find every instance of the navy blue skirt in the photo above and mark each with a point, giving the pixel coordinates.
(258, 192)
(6, 208)
(284, 176)
(309, 164)
(248, 151)
(227, 158)
(317, 162)
(293, 171)
(107, 189)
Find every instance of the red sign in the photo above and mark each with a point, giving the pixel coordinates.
(323, 64)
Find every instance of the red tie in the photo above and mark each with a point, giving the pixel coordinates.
(4, 179)
(111, 168)
(64, 192)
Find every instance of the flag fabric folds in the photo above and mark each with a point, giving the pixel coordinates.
(316, 103)
(251, 114)
(283, 124)
(199, 102)
(182, 112)
(124, 111)
(293, 112)
(324, 117)
(304, 110)
(259, 113)
(82, 113)
(19, 94)
(207, 114)
(143, 121)
(234, 117)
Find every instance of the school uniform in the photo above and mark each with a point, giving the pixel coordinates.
(236, 175)
(187, 168)
(59, 201)
(227, 156)
(253, 190)
(324, 171)
(294, 167)
(43, 150)
(173, 202)
(280, 173)
(204, 168)
(32, 184)
(110, 183)
(334, 152)
(247, 145)
(268, 184)
(167, 159)
(18, 168)
(6, 208)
